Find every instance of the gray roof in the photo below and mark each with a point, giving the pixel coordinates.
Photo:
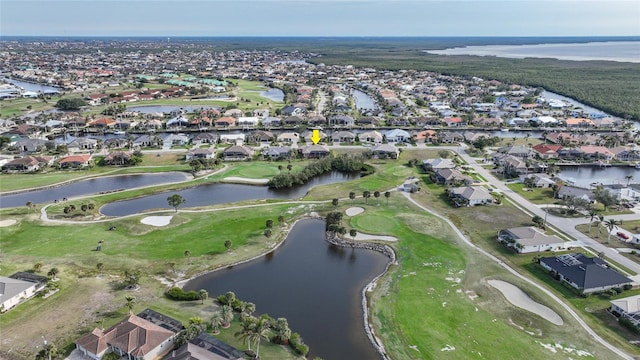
(529, 235)
(438, 163)
(472, 192)
(10, 287)
(587, 273)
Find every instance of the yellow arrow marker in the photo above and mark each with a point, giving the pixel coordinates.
(315, 136)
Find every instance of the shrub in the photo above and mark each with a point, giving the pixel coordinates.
(627, 287)
(629, 325)
(176, 293)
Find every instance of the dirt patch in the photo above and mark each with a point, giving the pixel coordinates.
(361, 236)
(241, 180)
(8, 222)
(353, 211)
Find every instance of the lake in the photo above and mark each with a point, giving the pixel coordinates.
(90, 186)
(314, 284)
(585, 175)
(622, 51)
(219, 193)
(363, 100)
(273, 94)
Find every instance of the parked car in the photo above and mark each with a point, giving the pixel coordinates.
(622, 235)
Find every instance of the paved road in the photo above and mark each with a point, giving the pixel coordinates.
(566, 225)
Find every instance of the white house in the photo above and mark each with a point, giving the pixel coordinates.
(628, 307)
(18, 288)
(397, 136)
(530, 239)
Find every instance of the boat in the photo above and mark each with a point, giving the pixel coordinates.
(637, 165)
(119, 132)
(504, 130)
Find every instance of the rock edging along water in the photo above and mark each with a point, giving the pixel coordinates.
(386, 250)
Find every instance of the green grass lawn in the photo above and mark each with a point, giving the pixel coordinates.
(536, 196)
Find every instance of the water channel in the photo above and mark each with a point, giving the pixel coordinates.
(311, 283)
(363, 100)
(90, 186)
(583, 176)
(218, 193)
(29, 86)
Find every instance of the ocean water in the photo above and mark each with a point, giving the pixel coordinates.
(622, 51)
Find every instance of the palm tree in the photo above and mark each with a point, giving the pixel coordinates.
(203, 295)
(611, 224)
(376, 194)
(262, 330)
(353, 234)
(227, 315)
(591, 216)
(216, 322)
(29, 205)
(281, 330)
(366, 195)
(247, 330)
(130, 302)
(37, 267)
(247, 309)
(387, 194)
(269, 224)
(280, 219)
(187, 254)
(268, 233)
(352, 196)
(100, 267)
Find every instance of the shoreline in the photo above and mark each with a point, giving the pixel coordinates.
(386, 250)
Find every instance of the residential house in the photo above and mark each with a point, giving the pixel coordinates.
(261, 137)
(237, 153)
(628, 308)
(115, 143)
(200, 154)
(147, 141)
(454, 121)
(450, 137)
(596, 152)
(293, 120)
(133, 337)
(29, 146)
(579, 123)
(368, 121)
(622, 192)
(437, 164)
(451, 177)
(82, 144)
(248, 122)
(271, 121)
(236, 113)
(316, 120)
(546, 151)
(176, 140)
(371, 137)
(471, 195)
(530, 239)
(343, 137)
(289, 137)
(510, 166)
(75, 161)
(397, 136)
(341, 120)
(27, 164)
(568, 191)
(102, 123)
(18, 288)
(277, 153)
(204, 138)
(232, 138)
(539, 180)
(384, 151)
(624, 153)
(177, 121)
(205, 347)
(585, 274)
(118, 158)
(225, 122)
(411, 185)
(314, 151)
(522, 152)
(426, 137)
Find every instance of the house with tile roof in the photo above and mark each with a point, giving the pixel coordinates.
(133, 337)
(471, 195)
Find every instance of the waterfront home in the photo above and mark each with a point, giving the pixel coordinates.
(248, 121)
(343, 137)
(200, 154)
(277, 153)
(585, 274)
(237, 153)
(522, 152)
(454, 121)
(627, 308)
(622, 192)
(316, 120)
(546, 151)
(26, 164)
(289, 137)
(510, 166)
(530, 239)
(368, 121)
(293, 120)
(204, 138)
(384, 151)
(29, 146)
(18, 288)
(205, 347)
(270, 121)
(437, 164)
(470, 195)
(74, 161)
(225, 122)
(397, 136)
(625, 153)
(538, 180)
(314, 151)
(232, 138)
(118, 158)
(596, 152)
(176, 140)
(261, 137)
(235, 113)
(341, 120)
(147, 141)
(133, 337)
(579, 123)
(450, 137)
(82, 144)
(102, 123)
(425, 137)
(177, 121)
(371, 137)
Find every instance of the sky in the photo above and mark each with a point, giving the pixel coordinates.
(320, 18)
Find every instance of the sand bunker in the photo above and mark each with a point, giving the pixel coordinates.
(157, 220)
(361, 236)
(353, 211)
(520, 299)
(9, 222)
(241, 180)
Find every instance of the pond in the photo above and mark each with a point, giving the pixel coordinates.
(273, 94)
(29, 86)
(314, 284)
(90, 186)
(218, 193)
